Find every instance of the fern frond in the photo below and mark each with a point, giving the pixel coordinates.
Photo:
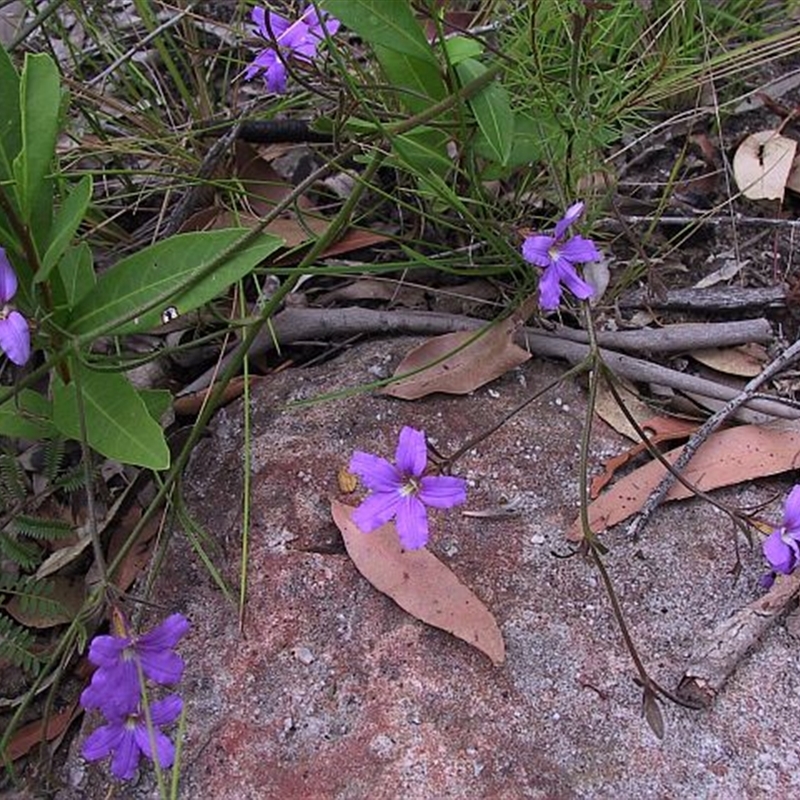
(24, 554)
(12, 480)
(50, 530)
(16, 646)
(71, 480)
(36, 598)
(54, 458)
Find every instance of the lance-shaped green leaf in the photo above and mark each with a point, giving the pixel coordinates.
(118, 422)
(492, 110)
(10, 127)
(391, 24)
(76, 277)
(40, 98)
(175, 273)
(26, 415)
(65, 225)
(405, 56)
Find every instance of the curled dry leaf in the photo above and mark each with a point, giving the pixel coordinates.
(420, 584)
(726, 458)
(458, 363)
(746, 361)
(762, 165)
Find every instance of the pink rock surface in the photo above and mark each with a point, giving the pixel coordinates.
(331, 691)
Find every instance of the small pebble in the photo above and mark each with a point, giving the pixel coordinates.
(304, 655)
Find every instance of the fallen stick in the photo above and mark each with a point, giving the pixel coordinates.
(306, 324)
(718, 655)
(742, 398)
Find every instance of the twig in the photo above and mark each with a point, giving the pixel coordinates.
(712, 298)
(304, 324)
(705, 430)
(715, 659)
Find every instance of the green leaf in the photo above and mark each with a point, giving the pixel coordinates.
(492, 110)
(76, 271)
(460, 48)
(118, 424)
(424, 150)
(390, 24)
(417, 82)
(27, 415)
(40, 96)
(65, 225)
(157, 401)
(10, 130)
(171, 270)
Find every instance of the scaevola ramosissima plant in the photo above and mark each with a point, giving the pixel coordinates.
(287, 39)
(401, 491)
(558, 257)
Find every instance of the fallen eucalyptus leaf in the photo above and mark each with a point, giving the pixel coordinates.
(420, 584)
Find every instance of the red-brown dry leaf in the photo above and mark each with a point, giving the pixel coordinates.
(661, 429)
(746, 361)
(726, 458)
(34, 733)
(420, 584)
(482, 360)
(68, 591)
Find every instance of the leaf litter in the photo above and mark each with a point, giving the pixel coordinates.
(420, 584)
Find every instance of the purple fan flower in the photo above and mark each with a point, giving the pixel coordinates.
(15, 336)
(115, 686)
(285, 38)
(558, 259)
(401, 490)
(782, 546)
(126, 736)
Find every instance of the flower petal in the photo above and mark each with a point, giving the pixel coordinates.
(570, 278)
(536, 250)
(167, 710)
(8, 278)
(261, 63)
(412, 453)
(106, 651)
(791, 513)
(163, 667)
(412, 523)
(114, 690)
(781, 557)
(165, 750)
(275, 76)
(579, 250)
(570, 217)
(550, 289)
(442, 491)
(376, 510)
(15, 338)
(100, 742)
(376, 473)
(126, 756)
(166, 635)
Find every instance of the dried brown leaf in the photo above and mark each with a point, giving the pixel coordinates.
(762, 164)
(68, 592)
(727, 457)
(746, 361)
(420, 584)
(458, 363)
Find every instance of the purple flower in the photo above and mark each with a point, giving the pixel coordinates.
(285, 38)
(402, 491)
(127, 735)
(782, 546)
(115, 686)
(15, 336)
(558, 259)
